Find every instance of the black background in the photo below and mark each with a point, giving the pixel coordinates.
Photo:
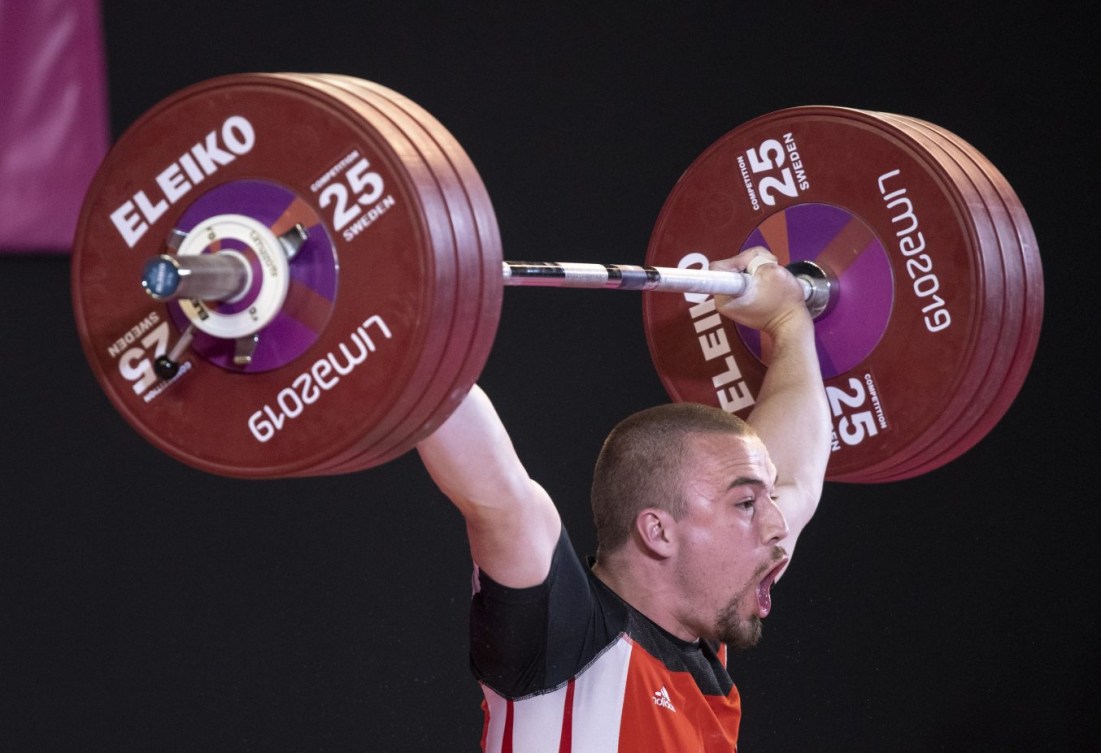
(148, 606)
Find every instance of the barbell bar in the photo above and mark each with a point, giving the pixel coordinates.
(225, 277)
(819, 287)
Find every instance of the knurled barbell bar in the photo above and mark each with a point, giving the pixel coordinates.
(322, 277)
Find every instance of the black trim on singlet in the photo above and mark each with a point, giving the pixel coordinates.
(525, 641)
(698, 658)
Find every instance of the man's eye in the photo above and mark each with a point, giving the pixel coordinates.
(747, 504)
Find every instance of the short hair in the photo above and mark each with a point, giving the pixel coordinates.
(641, 465)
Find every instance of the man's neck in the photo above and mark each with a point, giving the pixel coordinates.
(647, 588)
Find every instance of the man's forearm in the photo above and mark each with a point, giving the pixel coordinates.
(792, 415)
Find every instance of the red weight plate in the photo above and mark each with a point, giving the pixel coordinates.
(981, 376)
(391, 277)
(969, 406)
(478, 251)
(483, 258)
(460, 321)
(421, 394)
(1032, 283)
(436, 326)
(1022, 258)
(806, 182)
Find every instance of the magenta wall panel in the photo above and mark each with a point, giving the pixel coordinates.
(53, 119)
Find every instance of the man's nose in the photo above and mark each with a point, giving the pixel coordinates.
(774, 526)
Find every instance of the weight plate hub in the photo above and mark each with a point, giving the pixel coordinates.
(854, 193)
(291, 322)
(377, 270)
(841, 242)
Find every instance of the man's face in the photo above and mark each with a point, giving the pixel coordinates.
(729, 552)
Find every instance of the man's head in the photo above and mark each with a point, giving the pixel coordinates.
(687, 525)
(642, 464)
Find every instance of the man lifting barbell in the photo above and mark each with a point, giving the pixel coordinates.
(319, 299)
(697, 512)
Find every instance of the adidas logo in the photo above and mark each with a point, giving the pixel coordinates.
(661, 698)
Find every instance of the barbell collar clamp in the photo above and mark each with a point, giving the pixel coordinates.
(820, 287)
(221, 276)
(167, 365)
(293, 240)
(244, 348)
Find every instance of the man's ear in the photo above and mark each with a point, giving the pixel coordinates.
(654, 529)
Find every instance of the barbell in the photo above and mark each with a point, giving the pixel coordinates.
(296, 274)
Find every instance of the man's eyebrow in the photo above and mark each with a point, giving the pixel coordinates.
(746, 481)
(753, 481)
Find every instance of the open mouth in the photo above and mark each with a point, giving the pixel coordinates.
(764, 589)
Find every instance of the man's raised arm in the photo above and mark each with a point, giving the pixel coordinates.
(791, 414)
(512, 523)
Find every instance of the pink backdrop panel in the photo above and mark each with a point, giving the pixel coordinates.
(53, 118)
